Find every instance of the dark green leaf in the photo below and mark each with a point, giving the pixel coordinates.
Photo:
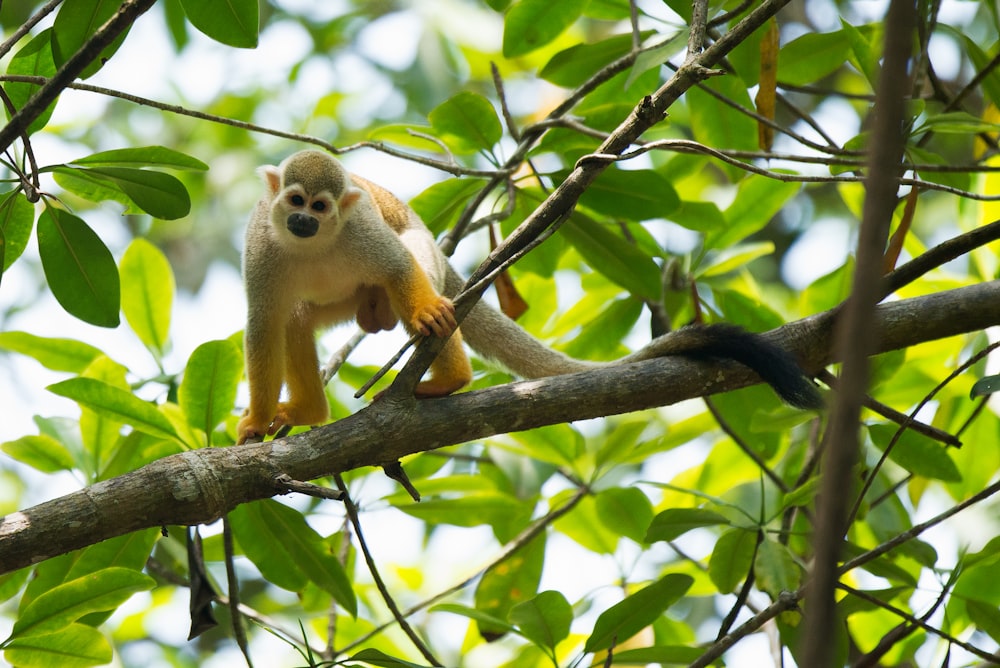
(17, 215)
(467, 122)
(440, 205)
(531, 24)
(144, 156)
(76, 22)
(79, 268)
(544, 620)
(116, 403)
(52, 353)
(674, 522)
(261, 543)
(147, 294)
(158, 194)
(208, 392)
(231, 22)
(571, 67)
(916, 453)
(614, 257)
(662, 654)
(981, 388)
(636, 195)
(378, 658)
(623, 620)
(33, 60)
(504, 513)
(985, 616)
(732, 558)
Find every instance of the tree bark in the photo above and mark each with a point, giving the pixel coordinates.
(200, 486)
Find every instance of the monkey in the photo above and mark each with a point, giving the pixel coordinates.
(324, 246)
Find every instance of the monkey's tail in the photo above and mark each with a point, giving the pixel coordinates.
(496, 337)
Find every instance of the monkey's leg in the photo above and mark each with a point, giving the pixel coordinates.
(451, 370)
(306, 403)
(264, 357)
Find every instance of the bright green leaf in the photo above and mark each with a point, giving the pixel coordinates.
(734, 258)
(531, 24)
(506, 514)
(375, 657)
(472, 613)
(59, 607)
(623, 620)
(261, 544)
(776, 569)
(811, 57)
(147, 294)
(544, 620)
(571, 67)
(757, 201)
(231, 22)
(117, 403)
(52, 353)
(208, 391)
(17, 215)
(864, 56)
(74, 646)
(661, 654)
(440, 205)
(40, 452)
(674, 522)
(583, 525)
(731, 559)
(916, 453)
(467, 122)
(508, 583)
(625, 510)
(79, 268)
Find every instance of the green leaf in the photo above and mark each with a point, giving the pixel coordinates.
(864, 55)
(600, 336)
(955, 122)
(734, 258)
(231, 22)
(663, 654)
(698, 216)
(75, 646)
(986, 617)
(79, 268)
(33, 60)
(440, 205)
(76, 23)
(467, 122)
(544, 620)
(717, 124)
(614, 257)
(159, 194)
(758, 200)
(17, 215)
(531, 24)
(674, 522)
(295, 543)
(41, 452)
(378, 658)
(52, 353)
(261, 544)
(983, 387)
(144, 156)
(916, 453)
(117, 403)
(625, 510)
(571, 67)
(731, 559)
(208, 391)
(472, 613)
(623, 620)
(776, 569)
(811, 57)
(509, 583)
(583, 525)
(504, 513)
(59, 607)
(636, 195)
(147, 294)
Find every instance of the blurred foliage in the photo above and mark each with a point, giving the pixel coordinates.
(652, 521)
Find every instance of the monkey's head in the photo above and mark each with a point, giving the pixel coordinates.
(311, 196)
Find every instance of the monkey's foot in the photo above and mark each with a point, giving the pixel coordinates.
(438, 388)
(250, 427)
(436, 317)
(297, 415)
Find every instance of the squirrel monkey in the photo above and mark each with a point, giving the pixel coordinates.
(324, 246)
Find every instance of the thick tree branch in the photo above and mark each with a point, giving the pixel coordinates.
(201, 485)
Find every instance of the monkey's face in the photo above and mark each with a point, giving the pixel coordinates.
(297, 214)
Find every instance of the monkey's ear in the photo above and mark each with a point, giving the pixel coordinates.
(348, 200)
(272, 178)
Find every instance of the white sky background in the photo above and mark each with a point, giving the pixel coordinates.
(146, 66)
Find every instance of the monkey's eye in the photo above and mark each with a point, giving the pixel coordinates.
(318, 206)
(297, 200)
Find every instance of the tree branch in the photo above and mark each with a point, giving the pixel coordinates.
(200, 486)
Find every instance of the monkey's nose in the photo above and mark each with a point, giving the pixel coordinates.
(302, 225)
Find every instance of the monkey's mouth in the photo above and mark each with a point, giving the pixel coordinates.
(302, 225)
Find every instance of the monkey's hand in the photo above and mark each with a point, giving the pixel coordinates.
(435, 317)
